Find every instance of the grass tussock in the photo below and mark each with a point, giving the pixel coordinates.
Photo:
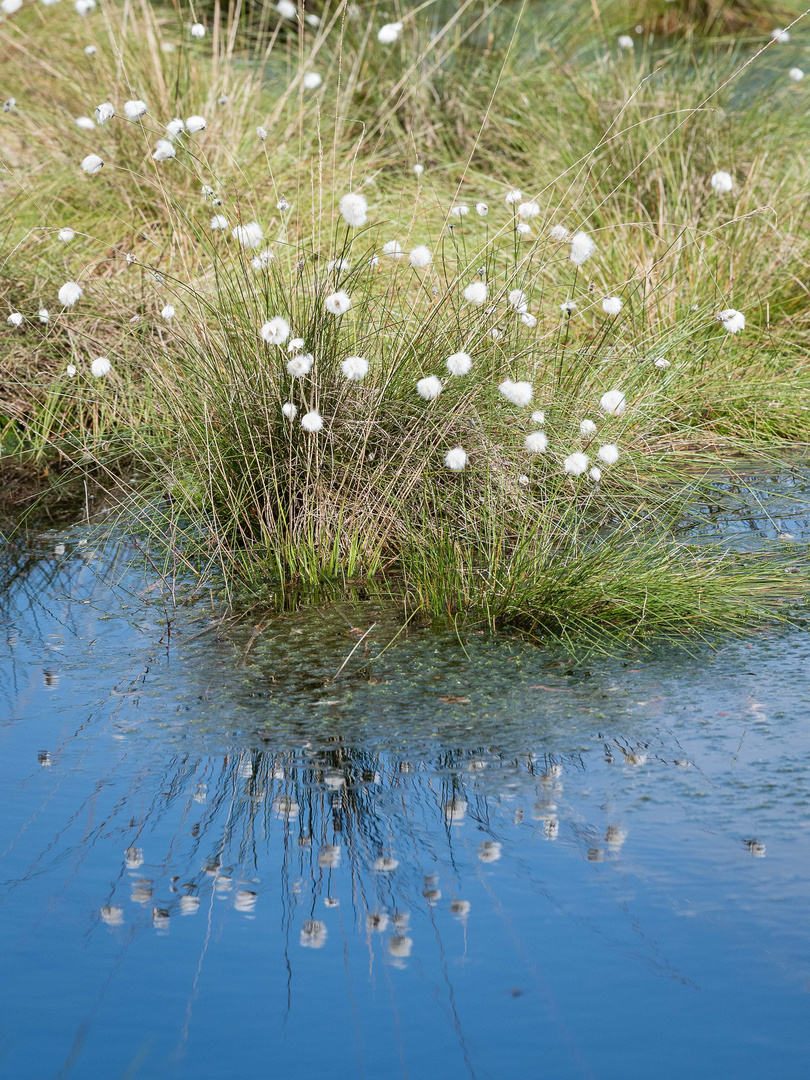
(258, 453)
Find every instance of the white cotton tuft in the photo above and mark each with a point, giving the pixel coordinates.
(536, 442)
(460, 211)
(456, 459)
(84, 7)
(164, 150)
(429, 388)
(624, 41)
(393, 249)
(219, 222)
(311, 81)
(70, 293)
(568, 307)
(100, 367)
(517, 300)
(286, 9)
(104, 112)
(85, 123)
(167, 312)
(595, 474)
(66, 235)
(338, 303)
(481, 209)
(300, 365)
(782, 36)
(389, 33)
(796, 74)
(538, 417)
(514, 196)
(338, 264)
(459, 363)
(44, 315)
(134, 109)
(576, 464)
(70, 370)
(250, 235)
(476, 293)
(354, 209)
(587, 428)
(198, 30)
(296, 344)
(195, 124)
(732, 320)
(523, 228)
(661, 362)
(262, 260)
(9, 7)
(558, 232)
(418, 169)
(528, 319)
(420, 257)
(612, 305)
(15, 319)
(354, 368)
(519, 393)
(608, 454)
(275, 331)
(528, 210)
(175, 127)
(262, 133)
(613, 403)
(313, 20)
(289, 410)
(722, 182)
(312, 421)
(582, 247)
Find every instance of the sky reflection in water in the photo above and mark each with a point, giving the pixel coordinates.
(216, 859)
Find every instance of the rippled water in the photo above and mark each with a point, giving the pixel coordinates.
(467, 858)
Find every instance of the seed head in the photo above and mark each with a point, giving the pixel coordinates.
(354, 209)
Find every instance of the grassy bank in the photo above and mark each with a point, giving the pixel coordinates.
(499, 405)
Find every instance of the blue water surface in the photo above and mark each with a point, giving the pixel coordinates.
(468, 857)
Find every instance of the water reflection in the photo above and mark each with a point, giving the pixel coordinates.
(464, 861)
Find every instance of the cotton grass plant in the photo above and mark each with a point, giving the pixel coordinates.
(352, 377)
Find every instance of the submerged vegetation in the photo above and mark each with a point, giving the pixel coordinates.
(469, 302)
